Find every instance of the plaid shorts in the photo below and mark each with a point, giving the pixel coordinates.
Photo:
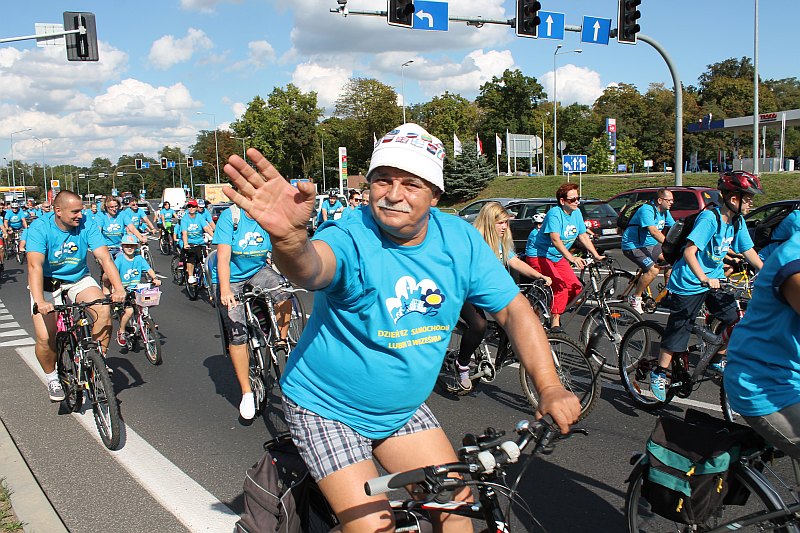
(327, 445)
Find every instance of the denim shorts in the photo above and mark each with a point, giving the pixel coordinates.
(328, 445)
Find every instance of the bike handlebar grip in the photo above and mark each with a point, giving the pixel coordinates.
(35, 309)
(383, 484)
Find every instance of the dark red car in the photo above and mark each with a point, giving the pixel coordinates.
(688, 200)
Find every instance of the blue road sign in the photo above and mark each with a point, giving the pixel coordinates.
(170, 164)
(430, 16)
(145, 164)
(551, 25)
(595, 30)
(198, 162)
(294, 182)
(574, 163)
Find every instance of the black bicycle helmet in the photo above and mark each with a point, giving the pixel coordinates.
(739, 181)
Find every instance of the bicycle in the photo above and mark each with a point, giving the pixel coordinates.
(178, 270)
(767, 510)
(165, 240)
(201, 280)
(639, 352)
(482, 461)
(144, 250)
(12, 246)
(267, 350)
(621, 284)
(142, 329)
(82, 367)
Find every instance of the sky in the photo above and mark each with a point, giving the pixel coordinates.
(171, 68)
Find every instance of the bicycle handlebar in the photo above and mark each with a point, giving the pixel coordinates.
(257, 292)
(483, 457)
(83, 305)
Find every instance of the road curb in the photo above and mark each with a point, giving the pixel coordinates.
(27, 498)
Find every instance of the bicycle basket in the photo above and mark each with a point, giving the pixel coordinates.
(148, 297)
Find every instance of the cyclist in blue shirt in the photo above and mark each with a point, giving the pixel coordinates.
(131, 266)
(530, 245)
(133, 220)
(14, 222)
(192, 228)
(782, 233)
(57, 248)
(91, 213)
(205, 213)
(762, 378)
(165, 219)
(328, 210)
(242, 260)
(390, 282)
(701, 269)
(642, 240)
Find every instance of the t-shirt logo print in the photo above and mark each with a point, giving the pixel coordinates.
(67, 248)
(422, 297)
(113, 227)
(251, 238)
(570, 231)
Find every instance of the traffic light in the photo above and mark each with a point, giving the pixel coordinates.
(400, 13)
(163, 163)
(81, 46)
(189, 161)
(627, 24)
(528, 18)
(138, 164)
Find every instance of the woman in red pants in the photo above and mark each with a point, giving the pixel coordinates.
(562, 226)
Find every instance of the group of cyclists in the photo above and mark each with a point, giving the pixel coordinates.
(392, 275)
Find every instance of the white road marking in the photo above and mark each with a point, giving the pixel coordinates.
(14, 333)
(12, 324)
(19, 342)
(187, 500)
(675, 399)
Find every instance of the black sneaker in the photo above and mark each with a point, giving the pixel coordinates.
(55, 391)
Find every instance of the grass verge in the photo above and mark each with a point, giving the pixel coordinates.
(8, 520)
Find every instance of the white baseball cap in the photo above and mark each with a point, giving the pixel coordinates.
(409, 147)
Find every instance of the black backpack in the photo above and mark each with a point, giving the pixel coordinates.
(280, 496)
(678, 234)
(762, 233)
(627, 212)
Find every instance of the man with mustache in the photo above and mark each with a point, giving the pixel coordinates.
(391, 279)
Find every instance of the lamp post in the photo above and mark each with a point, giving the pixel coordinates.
(44, 168)
(216, 144)
(543, 164)
(244, 151)
(13, 172)
(555, 105)
(403, 86)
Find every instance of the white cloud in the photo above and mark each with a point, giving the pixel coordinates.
(260, 54)
(204, 6)
(169, 50)
(238, 109)
(133, 101)
(464, 78)
(575, 84)
(328, 82)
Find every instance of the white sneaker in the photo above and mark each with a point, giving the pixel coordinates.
(636, 303)
(192, 280)
(247, 407)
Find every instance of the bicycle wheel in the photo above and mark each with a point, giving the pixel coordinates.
(20, 256)
(148, 257)
(607, 338)
(193, 289)
(259, 376)
(727, 412)
(164, 244)
(617, 286)
(152, 341)
(641, 519)
(177, 272)
(538, 299)
(575, 371)
(68, 372)
(104, 401)
(298, 320)
(638, 355)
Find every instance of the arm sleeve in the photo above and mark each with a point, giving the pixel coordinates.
(37, 239)
(490, 285)
(93, 236)
(743, 240)
(785, 272)
(224, 233)
(345, 280)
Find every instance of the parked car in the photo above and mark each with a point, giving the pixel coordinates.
(768, 211)
(688, 200)
(470, 211)
(217, 209)
(598, 216)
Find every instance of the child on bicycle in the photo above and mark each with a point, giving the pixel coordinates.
(131, 266)
(715, 231)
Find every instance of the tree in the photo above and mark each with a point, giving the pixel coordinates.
(629, 155)
(599, 162)
(448, 114)
(577, 126)
(466, 175)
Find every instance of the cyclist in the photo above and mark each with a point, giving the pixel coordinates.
(90, 212)
(328, 210)
(782, 232)
(530, 245)
(762, 378)
(14, 222)
(133, 218)
(562, 225)
(112, 227)
(164, 219)
(642, 240)
(192, 227)
(700, 269)
(242, 252)
(205, 213)
(492, 224)
(390, 283)
(56, 267)
(131, 266)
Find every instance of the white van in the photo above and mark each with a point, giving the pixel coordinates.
(175, 196)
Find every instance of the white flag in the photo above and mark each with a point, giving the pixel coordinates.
(478, 145)
(498, 143)
(456, 146)
(374, 140)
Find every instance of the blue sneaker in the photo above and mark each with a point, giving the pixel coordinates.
(718, 367)
(658, 385)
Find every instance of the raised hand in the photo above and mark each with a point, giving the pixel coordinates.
(278, 207)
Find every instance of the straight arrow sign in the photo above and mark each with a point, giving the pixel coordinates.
(552, 26)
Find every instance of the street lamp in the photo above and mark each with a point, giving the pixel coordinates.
(403, 86)
(44, 168)
(216, 144)
(244, 151)
(13, 173)
(555, 105)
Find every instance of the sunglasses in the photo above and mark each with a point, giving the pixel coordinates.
(574, 200)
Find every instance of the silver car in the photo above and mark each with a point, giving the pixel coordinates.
(470, 211)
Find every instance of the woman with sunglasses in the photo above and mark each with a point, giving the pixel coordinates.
(563, 225)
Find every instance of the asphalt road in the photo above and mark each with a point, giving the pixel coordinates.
(185, 452)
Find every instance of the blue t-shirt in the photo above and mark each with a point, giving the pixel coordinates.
(712, 247)
(636, 235)
(130, 271)
(374, 344)
(168, 214)
(783, 232)
(129, 216)
(530, 246)
(14, 219)
(206, 214)
(249, 244)
(64, 251)
(330, 209)
(193, 226)
(557, 221)
(112, 228)
(92, 217)
(763, 371)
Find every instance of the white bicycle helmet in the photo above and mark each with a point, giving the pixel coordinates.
(538, 218)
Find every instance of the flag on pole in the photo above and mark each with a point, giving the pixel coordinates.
(374, 140)
(456, 146)
(498, 143)
(478, 145)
